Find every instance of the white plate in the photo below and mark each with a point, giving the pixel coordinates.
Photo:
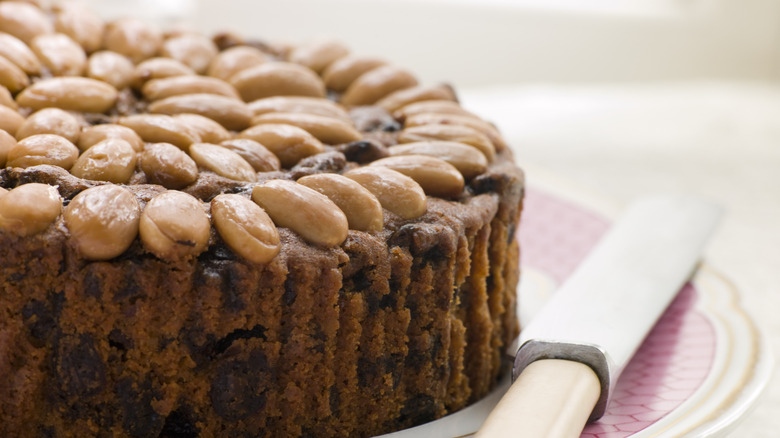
(699, 371)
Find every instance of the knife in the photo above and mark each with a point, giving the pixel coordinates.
(572, 353)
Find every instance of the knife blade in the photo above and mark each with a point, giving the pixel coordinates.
(573, 351)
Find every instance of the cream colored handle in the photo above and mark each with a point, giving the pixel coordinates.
(551, 398)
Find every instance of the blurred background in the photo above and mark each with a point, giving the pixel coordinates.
(618, 97)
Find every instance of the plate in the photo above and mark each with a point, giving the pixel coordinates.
(701, 368)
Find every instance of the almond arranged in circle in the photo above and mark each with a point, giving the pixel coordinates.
(398, 99)
(133, 38)
(194, 50)
(168, 166)
(110, 67)
(362, 208)
(111, 160)
(80, 23)
(245, 227)
(277, 79)
(17, 52)
(97, 133)
(468, 160)
(7, 142)
(160, 128)
(231, 113)
(158, 68)
(257, 155)
(23, 20)
(458, 133)
(166, 235)
(10, 120)
(326, 129)
(377, 84)
(69, 93)
(299, 104)
(43, 149)
(435, 176)
(11, 76)
(29, 209)
(60, 54)
(103, 221)
(459, 120)
(157, 89)
(396, 192)
(341, 73)
(233, 60)
(222, 161)
(51, 121)
(307, 212)
(319, 54)
(290, 143)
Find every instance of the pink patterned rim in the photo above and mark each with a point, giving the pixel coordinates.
(677, 355)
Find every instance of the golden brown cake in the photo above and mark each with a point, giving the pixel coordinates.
(210, 237)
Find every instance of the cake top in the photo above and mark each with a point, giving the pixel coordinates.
(117, 130)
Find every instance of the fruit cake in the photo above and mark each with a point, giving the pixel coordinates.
(217, 236)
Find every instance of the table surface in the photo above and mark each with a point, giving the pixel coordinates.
(714, 139)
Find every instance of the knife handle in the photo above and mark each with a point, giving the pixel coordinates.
(551, 398)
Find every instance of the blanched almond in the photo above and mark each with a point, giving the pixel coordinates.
(396, 192)
(393, 101)
(80, 23)
(299, 104)
(307, 212)
(468, 160)
(222, 161)
(326, 129)
(23, 20)
(192, 49)
(111, 160)
(10, 120)
(208, 130)
(111, 67)
(7, 142)
(319, 54)
(431, 106)
(341, 73)
(69, 93)
(289, 143)
(103, 221)
(159, 128)
(156, 89)
(233, 60)
(231, 113)
(50, 121)
(376, 84)
(93, 134)
(133, 38)
(257, 155)
(458, 133)
(60, 54)
(18, 53)
(43, 149)
(362, 208)
(166, 235)
(453, 119)
(158, 68)
(29, 209)
(277, 79)
(435, 176)
(6, 99)
(245, 227)
(11, 76)
(168, 166)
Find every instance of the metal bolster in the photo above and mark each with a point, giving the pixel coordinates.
(592, 355)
